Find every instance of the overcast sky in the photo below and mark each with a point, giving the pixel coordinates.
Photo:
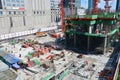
(84, 3)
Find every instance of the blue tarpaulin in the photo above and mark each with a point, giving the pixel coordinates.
(16, 66)
(11, 59)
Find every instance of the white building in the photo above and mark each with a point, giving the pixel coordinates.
(23, 15)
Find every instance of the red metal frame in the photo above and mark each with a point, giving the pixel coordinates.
(62, 14)
(95, 8)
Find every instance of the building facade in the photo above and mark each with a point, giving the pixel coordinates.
(55, 12)
(118, 5)
(90, 5)
(77, 3)
(22, 15)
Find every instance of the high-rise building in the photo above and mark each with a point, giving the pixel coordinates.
(54, 3)
(118, 5)
(55, 11)
(90, 4)
(78, 3)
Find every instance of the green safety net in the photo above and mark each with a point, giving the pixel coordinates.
(113, 32)
(30, 53)
(37, 62)
(91, 34)
(48, 76)
(29, 56)
(64, 74)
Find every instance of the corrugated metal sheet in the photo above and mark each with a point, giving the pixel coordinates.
(11, 59)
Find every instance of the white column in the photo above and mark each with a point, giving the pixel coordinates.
(90, 29)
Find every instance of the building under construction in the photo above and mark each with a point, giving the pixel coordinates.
(93, 33)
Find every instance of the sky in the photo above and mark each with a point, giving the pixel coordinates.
(84, 3)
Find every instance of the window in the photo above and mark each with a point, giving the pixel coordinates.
(7, 0)
(11, 22)
(14, 12)
(23, 12)
(22, 1)
(14, 5)
(1, 12)
(8, 4)
(18, 5)
(43, 12)
(22, 5)
(17, 0)
(37, 12)
(9, 13)
(34, 12)
(13, 0)
(24, 20)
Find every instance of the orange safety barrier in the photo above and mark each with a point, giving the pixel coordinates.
(40, 33)
(55, 35)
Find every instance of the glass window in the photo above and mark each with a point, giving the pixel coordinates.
(1, 12)
(18, 5)
(8, 4)
(34, 12)
(17, 0)
(22, 1)
(23, 12)
(14, 12)
(9, 12)
(43, 12)
(13, 0)
(22, 5)
(7, 0)
(37, 12)
(14, 5)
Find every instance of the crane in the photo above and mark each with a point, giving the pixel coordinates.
(95, 6)
(62, 12)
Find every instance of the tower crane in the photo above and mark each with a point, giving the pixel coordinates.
(95, 6)
(62, 12)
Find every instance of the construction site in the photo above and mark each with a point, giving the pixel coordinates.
(82, 47)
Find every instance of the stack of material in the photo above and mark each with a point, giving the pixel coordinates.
(33, 63)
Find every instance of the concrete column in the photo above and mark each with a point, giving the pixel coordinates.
(105, 44)
(90, 29)
(88, 44)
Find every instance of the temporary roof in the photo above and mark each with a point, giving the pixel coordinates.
(37, 62)
(11, 59)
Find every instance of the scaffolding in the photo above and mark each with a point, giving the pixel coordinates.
(93, 33)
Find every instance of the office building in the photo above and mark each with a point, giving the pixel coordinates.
(90, 5)
(118, 5)
(22, 15)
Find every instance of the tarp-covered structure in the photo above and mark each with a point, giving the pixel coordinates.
(11, 59)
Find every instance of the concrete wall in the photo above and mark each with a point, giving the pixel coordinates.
(117, 70)
(37, 14)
